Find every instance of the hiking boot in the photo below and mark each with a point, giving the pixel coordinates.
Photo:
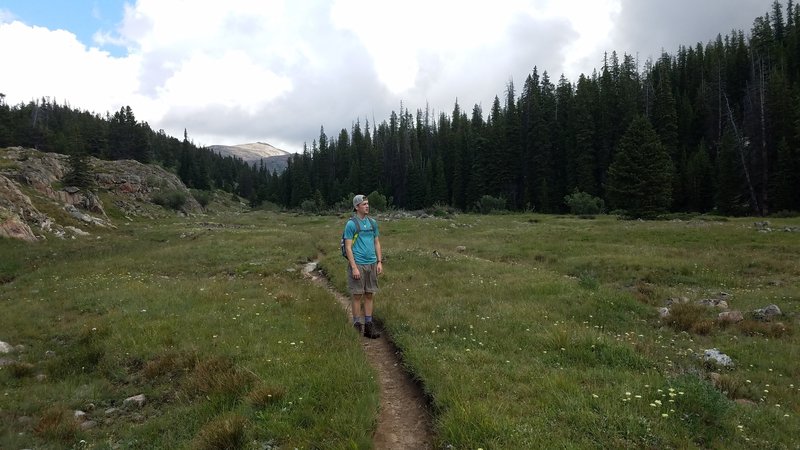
(359, 328)
(371, 331)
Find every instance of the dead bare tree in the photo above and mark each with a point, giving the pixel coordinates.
(740, 145)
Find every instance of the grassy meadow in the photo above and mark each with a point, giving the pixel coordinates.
(526, 331)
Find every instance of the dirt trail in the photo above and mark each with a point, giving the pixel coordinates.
(403, 420)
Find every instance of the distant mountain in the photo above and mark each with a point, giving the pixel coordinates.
(274, 158)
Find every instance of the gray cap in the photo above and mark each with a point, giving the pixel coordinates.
(359, 199)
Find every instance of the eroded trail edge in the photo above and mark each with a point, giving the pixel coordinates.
(403, 420)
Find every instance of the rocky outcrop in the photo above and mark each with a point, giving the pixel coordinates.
(130, 184)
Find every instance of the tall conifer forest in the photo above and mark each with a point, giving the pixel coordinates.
(713, 127)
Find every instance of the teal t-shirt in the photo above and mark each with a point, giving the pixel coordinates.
(364, 245)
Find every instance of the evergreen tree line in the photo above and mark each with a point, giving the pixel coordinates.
(49, 126)
(714, 127)
(711, 128)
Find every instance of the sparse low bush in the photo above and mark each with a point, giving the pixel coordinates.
(583, 204)
(202, 197)
(488, 204)
(377, 201)
(440, 210)
(173, 199)
(309, 207)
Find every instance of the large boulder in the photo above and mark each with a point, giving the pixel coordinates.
(131, 184)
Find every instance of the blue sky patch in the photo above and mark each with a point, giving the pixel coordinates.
(83, 18)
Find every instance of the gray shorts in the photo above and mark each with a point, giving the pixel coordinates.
(368, 283)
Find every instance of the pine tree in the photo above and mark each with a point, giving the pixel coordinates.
(699, 181)
(640, 177)
(80, 172)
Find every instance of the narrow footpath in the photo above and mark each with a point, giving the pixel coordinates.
(403, 420)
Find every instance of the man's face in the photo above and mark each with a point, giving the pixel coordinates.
(363, 207)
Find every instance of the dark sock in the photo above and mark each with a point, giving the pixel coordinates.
(368, 319)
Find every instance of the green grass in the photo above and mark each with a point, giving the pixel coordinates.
(201, 319)
(543, 333)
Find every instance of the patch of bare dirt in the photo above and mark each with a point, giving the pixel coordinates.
(404, 419)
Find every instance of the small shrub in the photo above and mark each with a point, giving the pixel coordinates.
(202, 197)
(583, 204)
(173, 199)
(488, 204)
(226, 432)
(440, 210)
(309, 207)
(346, 203)
(269, 206)
(377, 201)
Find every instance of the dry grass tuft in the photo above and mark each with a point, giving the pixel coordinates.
(264, 395)
(733, 387)
(752, 327)
(690, 317)
(57, 423)
(21, 369)
(284, 297)
(171, 363)
(218, 375)
(644, 292)
(226, 432)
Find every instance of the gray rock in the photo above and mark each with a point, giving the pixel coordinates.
(5, 347)
(767, 313)
(715, 356)
(137, 401)
(89, 424)
(676, 300)
(80, 416)
(663, 312)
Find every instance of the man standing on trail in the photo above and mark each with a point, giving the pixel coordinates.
(365, 263)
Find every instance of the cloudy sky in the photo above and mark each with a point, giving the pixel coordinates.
(239, 71)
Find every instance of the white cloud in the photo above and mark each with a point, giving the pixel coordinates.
(245, 70)
(44, 63)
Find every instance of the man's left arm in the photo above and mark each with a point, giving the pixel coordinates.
(379, 254)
